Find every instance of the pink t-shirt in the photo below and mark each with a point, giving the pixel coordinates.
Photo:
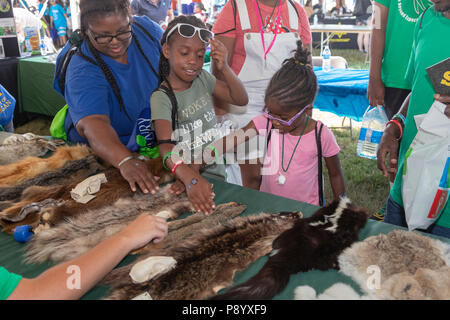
(225, 21)
(302, 175)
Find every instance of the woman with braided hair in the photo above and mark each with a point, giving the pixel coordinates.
(109, 81)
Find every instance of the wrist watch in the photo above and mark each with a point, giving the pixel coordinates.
(194, 181)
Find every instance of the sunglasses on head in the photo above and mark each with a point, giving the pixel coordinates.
(287, 123)
(188, 31)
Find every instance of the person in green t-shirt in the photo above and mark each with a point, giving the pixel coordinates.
(391, 41)
(430, 47)
(86, 271)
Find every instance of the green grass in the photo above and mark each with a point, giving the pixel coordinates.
(365, 184)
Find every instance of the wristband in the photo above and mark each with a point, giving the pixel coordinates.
(215, 153)
(165, 158)
(398, 125)
(176, 165)
(124, 160)
(399, 116)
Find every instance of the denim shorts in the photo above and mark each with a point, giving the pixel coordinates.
(395, 214)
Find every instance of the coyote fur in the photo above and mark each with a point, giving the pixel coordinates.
(30, 167)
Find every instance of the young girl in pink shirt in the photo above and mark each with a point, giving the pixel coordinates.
(291, 162)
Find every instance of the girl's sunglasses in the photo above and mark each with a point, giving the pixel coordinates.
(188, 31)
(287, 123)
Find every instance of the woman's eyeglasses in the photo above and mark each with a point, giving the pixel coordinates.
(121, 36)
(287, 123)
(188, 31)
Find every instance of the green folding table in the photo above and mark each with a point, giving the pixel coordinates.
(11, 252)
(35, 86)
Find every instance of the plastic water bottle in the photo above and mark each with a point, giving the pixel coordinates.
(316, 19)
(43, 48)
(373, 124)
(326, 59)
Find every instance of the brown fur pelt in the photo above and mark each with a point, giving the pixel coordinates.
(116, 187)
(81, 233)
(410, 266)
(72, 171)
(18, 147)
(30, 167)
(207, 261)
(312, 243)
(182, 229)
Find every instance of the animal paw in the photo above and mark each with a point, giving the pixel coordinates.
(151, 267)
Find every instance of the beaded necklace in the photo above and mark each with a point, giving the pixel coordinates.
(281, 178)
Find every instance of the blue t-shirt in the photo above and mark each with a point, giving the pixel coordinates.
(87, 92)
(157, 13)
(57, 13)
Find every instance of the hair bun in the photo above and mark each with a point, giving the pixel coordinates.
(301, 54)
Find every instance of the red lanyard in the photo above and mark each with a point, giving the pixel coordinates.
(261, 29)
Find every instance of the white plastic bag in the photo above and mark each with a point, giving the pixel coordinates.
(425, 186)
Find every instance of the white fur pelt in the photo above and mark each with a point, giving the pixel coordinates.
(77, 235)
(17, 147)
(338, 291)
(409, 265)
(208, 260)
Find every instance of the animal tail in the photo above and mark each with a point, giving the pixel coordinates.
(271, 280)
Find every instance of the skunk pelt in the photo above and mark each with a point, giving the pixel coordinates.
(207, 261)
(312, 243)
(30, 167)
(116, 187)
(76, 170)
(17, 147)
(77, 235)
(400, 265)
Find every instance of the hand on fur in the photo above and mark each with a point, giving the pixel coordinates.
(136, 173)
(177, 187)
(201, 195)
(144, 229)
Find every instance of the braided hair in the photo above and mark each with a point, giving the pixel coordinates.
(94, 9)
(164, 65)
(295, 83)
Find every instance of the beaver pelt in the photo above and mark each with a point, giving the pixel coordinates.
(72, 171)
(59, 204)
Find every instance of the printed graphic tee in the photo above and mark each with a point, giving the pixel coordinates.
(197, 123)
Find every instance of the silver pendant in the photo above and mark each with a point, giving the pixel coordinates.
(281, 179)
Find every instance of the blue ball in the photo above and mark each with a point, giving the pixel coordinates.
(23, 233)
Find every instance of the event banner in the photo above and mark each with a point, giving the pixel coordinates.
(9, 46)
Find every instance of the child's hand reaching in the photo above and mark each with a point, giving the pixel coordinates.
(219, 54)
(177, 187)
(201, 195)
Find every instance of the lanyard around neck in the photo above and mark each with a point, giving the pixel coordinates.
(262, 32)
